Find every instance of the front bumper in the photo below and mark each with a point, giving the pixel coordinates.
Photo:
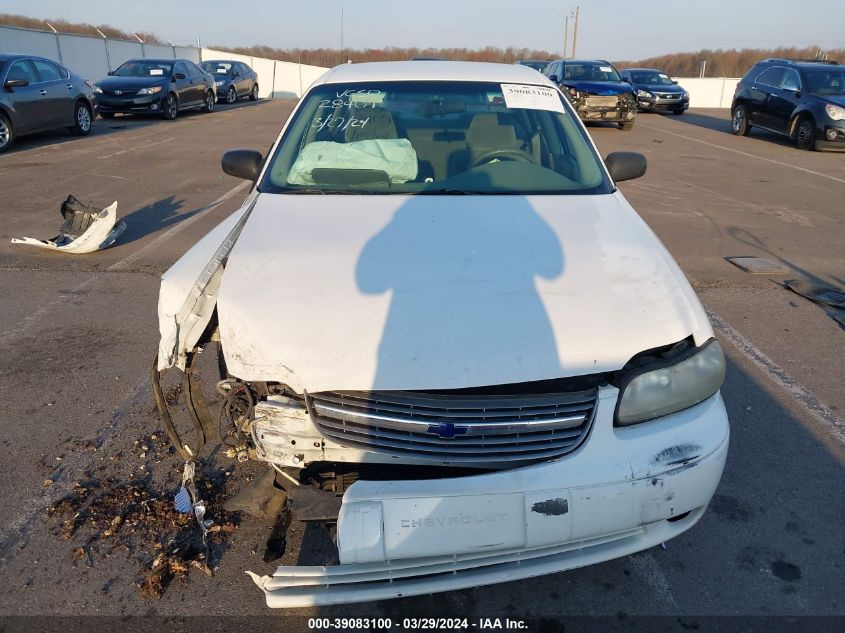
(660, 104)
(118, 105)
(823, 134)
(593, 108)
(623, 491)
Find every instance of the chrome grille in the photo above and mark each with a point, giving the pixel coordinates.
(456, 429)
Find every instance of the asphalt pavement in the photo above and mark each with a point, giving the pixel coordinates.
(80, 331)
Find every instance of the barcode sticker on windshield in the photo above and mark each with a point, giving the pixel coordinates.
(532, 97)
(606, 69)
(156, 71)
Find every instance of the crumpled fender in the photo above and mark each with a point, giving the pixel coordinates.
(188, 293)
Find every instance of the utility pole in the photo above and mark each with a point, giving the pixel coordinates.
(565, 35)
(341, 34)
(575, 32)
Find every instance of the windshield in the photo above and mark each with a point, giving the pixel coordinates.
(651, 78)
(434, 137)
(144, 68)
(217, 68)
(535, 64)
(826, 82)
(589, 71)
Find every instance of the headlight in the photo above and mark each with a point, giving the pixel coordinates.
(644, 93)
(686, 95)
(835, 112)
(674, 386)
(98, 90)
(149, 91)
(219, 83)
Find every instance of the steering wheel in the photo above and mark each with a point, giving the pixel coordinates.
(501, 153)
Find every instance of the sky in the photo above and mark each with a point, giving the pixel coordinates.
(610, 29)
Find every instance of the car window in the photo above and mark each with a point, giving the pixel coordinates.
(181, 67)
(827, 82)
(195, 70)
(418, 137)
(589, 71)
(651, 78)
(22, 69)
(771, 77)
(791, 81)
(46, 71)
(144, 68)
(217, 68)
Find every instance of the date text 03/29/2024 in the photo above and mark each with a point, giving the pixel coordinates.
(408, 624)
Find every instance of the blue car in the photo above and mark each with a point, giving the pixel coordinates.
(656, 91)
(595, 90)
(233, 79)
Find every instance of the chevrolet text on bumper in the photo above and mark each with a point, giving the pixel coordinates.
(468, 352)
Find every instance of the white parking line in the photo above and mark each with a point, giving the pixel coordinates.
(819, 411)
(13, 333)
(736, 151)
(137, 147)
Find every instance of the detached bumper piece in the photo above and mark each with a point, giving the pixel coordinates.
(85, 229)
(291, 587)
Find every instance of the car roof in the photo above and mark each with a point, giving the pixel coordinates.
(803, 63)
(157, 60)
(5, 57)
(654, 70)
(224, 61)
(584, 61)
(433, 71)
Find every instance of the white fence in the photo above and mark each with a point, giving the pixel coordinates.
(94, 57)
(709, 92)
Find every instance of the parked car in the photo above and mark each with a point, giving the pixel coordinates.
(656, 91)
(233, 79)
(803, 100)
(492, 358)
(155, 86)
(595, 90)
(38, 94)
(536, 64)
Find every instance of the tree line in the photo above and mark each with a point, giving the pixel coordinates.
(75, 28)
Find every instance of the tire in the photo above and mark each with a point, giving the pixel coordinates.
(805, 134)
(739, 120)
(253, 95)
(210, 100)
(7, 134)
(170, 107)
(231, 95)
(82, 119)
(106, 115)
(626, 127)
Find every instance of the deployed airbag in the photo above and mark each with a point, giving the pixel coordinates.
(395, 157)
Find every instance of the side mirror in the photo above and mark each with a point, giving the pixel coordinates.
(554, 78)
(625, 165)
(242, 163)
(179, 76)
(111, 72)
(627, 80)
(15, 83)
(675, 82)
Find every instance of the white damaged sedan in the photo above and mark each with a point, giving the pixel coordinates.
(447, 331)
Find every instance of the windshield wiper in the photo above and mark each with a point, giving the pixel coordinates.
(454, 192)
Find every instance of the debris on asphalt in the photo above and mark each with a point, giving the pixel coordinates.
(831, 298)
(104, 517)
(85, 229)
(758, 265)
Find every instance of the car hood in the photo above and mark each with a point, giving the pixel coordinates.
(835, 99)
(130, 83)
(441, 292)
(602, 88)
(672, 89)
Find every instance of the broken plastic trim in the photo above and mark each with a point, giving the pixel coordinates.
(195, 403)
(83, 231)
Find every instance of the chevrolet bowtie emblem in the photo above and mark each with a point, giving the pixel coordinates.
(445, 430)
(118, 92)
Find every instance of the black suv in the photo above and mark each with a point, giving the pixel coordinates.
(802, 99)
